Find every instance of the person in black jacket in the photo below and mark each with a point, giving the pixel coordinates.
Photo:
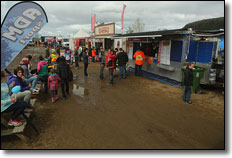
(63, 70)
(76, 54)
(122, 58)
(85, 60)
(188, 82)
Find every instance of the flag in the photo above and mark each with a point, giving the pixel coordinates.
(122, 18)
(22, 22)
(94, 20)
(92, 23)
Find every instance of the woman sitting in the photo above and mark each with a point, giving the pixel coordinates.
(18, 79)
(11, 104)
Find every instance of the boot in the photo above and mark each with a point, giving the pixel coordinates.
(53, 99)
(56, 97)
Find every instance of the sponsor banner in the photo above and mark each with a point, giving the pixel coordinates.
(22, 22)
(108, 29)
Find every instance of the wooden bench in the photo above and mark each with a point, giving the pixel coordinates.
(18, 131)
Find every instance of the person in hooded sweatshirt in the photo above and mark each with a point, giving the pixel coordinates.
(53, 82)
(42, 69)
(63, 70)
(18, 79)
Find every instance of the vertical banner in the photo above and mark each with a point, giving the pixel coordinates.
(94, 20)
(21, 23)
(122, 17)
(92, 23)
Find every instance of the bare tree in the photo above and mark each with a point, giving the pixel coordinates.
(129, 30)
(138, 26)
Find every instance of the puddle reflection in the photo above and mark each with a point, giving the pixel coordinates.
(80, 91)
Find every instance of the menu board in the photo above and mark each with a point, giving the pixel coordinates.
(165, 52)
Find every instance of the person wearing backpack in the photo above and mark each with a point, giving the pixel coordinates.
(63, 70)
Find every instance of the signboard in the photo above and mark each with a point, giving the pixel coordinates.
(165, 52)
(22, 22)
(107, 29)
(137, 39)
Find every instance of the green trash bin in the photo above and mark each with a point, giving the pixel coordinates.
(198, 74)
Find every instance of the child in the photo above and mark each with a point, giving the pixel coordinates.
(53, 80)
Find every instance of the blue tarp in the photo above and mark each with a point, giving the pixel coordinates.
(221, 45)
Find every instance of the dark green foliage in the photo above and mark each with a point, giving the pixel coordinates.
(207, 24)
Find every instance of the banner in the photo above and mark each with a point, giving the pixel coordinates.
(94, 20)
(122, 17)
(19, 26)
(92, 23)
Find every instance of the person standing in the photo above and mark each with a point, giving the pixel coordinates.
(139, 57)
(42, 70)
(58, 50)
(110, 65)
(53, 82)
(80, 52)
(67, 55)
(85, 60)
(188, 83)
(93, 55)
(53, 57)
(63, 70)
(103, 63)
(122, 59)
(76, 54)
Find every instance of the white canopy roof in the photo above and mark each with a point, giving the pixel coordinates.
(81, 34)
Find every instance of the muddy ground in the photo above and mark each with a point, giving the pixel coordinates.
(134, 113)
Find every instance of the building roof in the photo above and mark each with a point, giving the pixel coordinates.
(155, 33)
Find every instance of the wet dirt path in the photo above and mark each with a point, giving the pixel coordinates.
(134, 113)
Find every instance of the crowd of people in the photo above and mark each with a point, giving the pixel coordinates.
(54, 70)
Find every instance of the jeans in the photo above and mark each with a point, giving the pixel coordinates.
(44, 79)
(18, 108)
(138, 70)
(32, 79)
(76, 61)
(187, 93)
(122, 69)
(85, 69)
(53, 93)
(64, 85)
(111, 73)
(23, 96)
(102, 71)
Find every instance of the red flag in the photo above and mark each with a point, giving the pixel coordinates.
(92, 23)
(94, 20)
(122, 18)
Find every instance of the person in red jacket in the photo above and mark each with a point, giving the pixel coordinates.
(139, 57)
(110, 65)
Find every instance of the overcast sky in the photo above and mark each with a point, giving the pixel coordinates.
(68, 17)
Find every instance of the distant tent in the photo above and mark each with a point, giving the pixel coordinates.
(81, 34)
(221, 45)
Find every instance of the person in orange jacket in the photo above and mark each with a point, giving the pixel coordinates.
(93, 54)
(139, 57)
